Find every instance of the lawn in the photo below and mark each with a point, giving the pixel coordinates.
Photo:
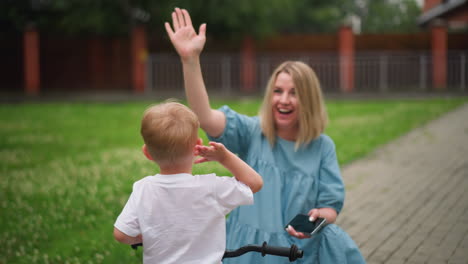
(67, 168)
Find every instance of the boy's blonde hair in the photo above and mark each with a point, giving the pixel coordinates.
(170, 131)
(313, 116)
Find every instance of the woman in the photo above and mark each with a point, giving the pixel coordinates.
(286, 145)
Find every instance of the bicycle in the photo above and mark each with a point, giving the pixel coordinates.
(293, 252)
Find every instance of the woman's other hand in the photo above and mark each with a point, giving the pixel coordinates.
(296, 234)
(184, 38)
(329, 214)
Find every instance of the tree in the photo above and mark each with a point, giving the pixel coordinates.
(388, 16)
(225, 19)
(103, 17)
(228, 19)
(320, 16)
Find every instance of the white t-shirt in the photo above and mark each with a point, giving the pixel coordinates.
(181, 216)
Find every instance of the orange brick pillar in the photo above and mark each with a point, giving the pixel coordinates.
(439, 56)
(346, 58)
(32, 81)
(139, 54)
(248, 73)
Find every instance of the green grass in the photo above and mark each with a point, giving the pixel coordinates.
(67, 169)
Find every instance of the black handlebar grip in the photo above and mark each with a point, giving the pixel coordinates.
(135, 246)
(293, 252)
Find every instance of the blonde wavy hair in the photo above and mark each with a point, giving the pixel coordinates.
(313, 117)
(169, 130)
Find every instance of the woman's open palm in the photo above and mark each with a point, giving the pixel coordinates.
(184, 38)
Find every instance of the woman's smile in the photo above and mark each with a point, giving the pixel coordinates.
(285, 105)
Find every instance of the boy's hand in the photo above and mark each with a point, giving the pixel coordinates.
(184, 38)
(238, 168)
(214, 152)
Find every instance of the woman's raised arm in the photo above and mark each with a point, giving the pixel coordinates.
(189, 45)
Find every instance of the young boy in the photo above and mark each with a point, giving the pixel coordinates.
(180, 217)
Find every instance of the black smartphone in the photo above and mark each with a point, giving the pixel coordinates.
(302, 224)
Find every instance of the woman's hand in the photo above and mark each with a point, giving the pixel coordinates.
(184, 38)
(296, 234)
(328, 213)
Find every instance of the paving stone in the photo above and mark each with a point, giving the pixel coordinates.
(460, 256)
(406, 202)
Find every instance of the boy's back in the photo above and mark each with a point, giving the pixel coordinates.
(182, 217)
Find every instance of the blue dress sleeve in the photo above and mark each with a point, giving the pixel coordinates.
(236, 135)
(331, 186)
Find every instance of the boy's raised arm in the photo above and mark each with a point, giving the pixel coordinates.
(239, 169)
(189, 45)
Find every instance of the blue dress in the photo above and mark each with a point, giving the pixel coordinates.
(294, 182)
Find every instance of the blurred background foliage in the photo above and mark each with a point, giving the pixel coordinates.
(226, 19)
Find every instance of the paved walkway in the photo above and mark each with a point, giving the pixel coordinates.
(408, 201)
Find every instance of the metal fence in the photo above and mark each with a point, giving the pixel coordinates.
(375, 72)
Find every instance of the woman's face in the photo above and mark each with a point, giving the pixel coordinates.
(285, 107)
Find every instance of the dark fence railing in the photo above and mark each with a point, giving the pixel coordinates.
(383, 63)
(374, 71)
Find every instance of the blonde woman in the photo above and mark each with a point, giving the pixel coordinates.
(286, 145)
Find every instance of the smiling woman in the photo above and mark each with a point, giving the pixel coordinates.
(285, 144)
(293, 88)
(285, 104)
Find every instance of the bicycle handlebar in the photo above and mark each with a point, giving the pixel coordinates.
(293, 252)
(135, 246)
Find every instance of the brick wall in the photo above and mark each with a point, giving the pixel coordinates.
(428, 4)
(103, 64)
